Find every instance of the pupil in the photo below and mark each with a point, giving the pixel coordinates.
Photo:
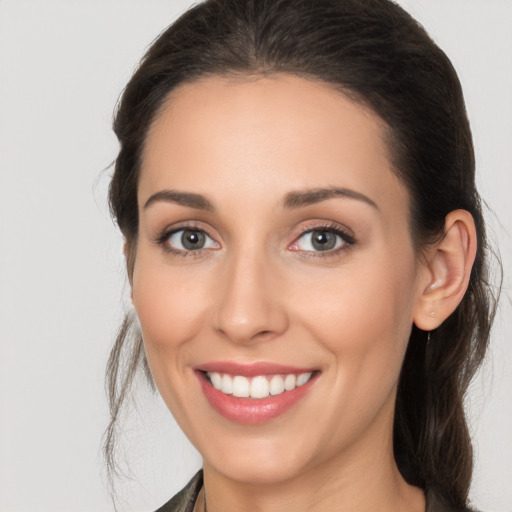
(192, 240)
(323, 240)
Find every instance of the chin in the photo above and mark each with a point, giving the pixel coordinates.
(259, 462)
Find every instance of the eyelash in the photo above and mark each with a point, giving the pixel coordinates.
(163, 238)
(347, 241)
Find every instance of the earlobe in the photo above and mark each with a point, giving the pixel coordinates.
(447, 270)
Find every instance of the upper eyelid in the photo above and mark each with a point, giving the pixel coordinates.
(313, 225)
(346, 234)
(326, 226)
(179, 226)
(174, 232)
(347, 239)
(166, 234)
(163, 239)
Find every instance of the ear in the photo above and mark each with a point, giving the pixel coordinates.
(447, 269)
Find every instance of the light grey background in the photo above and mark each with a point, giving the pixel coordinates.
(62, 287)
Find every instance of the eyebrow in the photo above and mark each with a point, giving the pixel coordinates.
(292, 200)
(301, 198)
(189, 199)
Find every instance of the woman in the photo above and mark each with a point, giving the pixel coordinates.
(306, 253)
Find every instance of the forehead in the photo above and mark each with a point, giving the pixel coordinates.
(271, 133)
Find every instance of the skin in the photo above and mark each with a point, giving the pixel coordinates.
(258, 292)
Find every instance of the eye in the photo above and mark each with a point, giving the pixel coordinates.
(185, 240)
(322, 240)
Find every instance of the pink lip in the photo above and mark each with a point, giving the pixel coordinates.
(252, 411)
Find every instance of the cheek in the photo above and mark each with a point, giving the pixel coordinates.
(171, 311)
(170, 305)
(364, 320)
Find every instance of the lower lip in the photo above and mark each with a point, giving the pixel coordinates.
(252, 411)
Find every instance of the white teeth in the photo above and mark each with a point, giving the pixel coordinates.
(303, 378)
(227, 385)
(257, 387)
(241, 386)
(216, 379)
(289, 382)
(276, 386)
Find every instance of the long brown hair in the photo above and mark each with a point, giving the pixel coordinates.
(378, 55)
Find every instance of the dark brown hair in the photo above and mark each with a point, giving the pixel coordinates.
(378, 55)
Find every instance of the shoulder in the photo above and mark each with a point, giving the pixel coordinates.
(185, 500)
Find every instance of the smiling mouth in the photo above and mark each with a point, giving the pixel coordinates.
(254, 393)
(258, 386)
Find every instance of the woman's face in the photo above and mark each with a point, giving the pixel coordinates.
(274, 249)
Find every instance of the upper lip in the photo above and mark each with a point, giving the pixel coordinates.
(251, 369)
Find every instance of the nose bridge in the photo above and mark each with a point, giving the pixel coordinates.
(249, 303)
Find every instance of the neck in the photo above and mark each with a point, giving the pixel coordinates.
(352, 481)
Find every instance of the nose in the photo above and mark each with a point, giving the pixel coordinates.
(250, 306)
